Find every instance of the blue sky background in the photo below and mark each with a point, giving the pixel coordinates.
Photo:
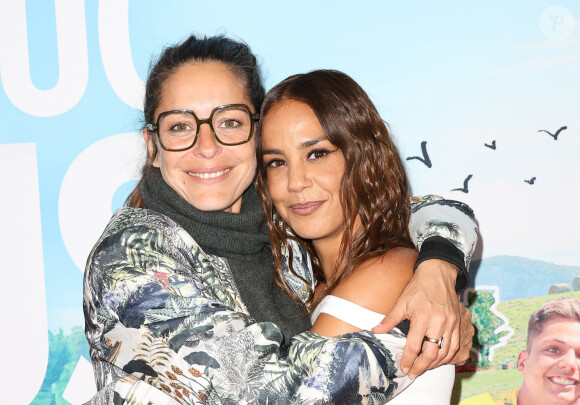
(456, 75)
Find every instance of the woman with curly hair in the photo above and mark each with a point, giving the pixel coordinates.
(331, 179)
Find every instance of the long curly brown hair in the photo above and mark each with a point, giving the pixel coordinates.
(373, 188)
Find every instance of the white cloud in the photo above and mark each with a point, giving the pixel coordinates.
(554, 62)
(519, 67)
(550, 45)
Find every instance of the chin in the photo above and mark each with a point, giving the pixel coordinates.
(564, 398)
(212, 204)
(307, 233)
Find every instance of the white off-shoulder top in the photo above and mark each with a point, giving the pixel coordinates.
(432, 387)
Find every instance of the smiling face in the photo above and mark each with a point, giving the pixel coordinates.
(210, 176)
(551, 365)
(304, 172)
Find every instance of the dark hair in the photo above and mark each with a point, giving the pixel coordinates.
(234, 54)
(561, 308)
(374, 185)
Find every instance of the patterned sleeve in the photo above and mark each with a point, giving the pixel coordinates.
(444, 229)
(165, 325)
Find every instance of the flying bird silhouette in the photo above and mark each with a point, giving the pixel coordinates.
(464, 189)
(425, 159)
(531, 181)
(555, 136)
(492, 146)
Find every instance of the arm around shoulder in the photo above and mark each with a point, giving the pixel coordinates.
(446, 230)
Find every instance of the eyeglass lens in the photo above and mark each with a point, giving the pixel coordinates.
(231, 125)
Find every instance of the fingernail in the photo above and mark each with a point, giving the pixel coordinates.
(406, 370)
(412, 376)
(378, 326)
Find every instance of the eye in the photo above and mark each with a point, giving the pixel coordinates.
(553, 350)
(319, 153)
(230, 124)
(179, 127)
(274, 163)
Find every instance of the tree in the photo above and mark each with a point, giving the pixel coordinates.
(492, 328)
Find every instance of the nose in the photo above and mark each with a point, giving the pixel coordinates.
(569, 360)
(206, 145)
(298, 177)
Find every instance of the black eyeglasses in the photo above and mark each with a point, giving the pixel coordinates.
(231, 124)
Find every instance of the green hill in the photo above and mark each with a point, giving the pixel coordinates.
(519, 277)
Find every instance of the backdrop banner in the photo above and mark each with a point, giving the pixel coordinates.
(482, 99)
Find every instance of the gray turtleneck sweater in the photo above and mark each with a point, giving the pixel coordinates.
(242, 239)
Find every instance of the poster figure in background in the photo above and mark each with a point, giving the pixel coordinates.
(550, 363)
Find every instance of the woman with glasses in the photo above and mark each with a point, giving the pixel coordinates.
(179, 296)
(331, 179)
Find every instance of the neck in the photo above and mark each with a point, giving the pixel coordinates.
(217, 232)
(525, 397)
(327, 250)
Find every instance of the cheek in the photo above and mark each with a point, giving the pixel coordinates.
(335, 173)
(336, 184)
(540, 365)
(167, 161)
(332, 180)
(275, 189)
(278, 193)
(247, 154)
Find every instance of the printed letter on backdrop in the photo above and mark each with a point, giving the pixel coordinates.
(116, 52)
(72, 59)
(84, 203)
(24, 337)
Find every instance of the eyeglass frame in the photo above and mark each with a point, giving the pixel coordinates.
(253, 118)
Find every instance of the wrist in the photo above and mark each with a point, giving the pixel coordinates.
(437, 247)
(442, 268)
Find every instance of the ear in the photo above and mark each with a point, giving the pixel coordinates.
(522, 361)
(152, 148)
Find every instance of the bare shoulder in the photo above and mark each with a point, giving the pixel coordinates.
(378, 283)
(375, 285)
(397, 259)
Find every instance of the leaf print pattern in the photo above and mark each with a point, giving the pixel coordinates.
(455, 222)
(299, 278)
(166, 324)
(435, 228)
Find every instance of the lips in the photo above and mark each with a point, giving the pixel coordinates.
(209, 174)
(306, 208)
(564, 381)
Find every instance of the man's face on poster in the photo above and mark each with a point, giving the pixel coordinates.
(551, 365)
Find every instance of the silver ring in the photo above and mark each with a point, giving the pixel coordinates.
(438, 342)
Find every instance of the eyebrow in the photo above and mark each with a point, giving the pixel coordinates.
(303, 145)
(552, 341)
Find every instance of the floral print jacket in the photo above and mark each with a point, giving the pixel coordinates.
(166, 325)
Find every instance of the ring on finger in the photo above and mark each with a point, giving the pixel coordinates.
(438, 342)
